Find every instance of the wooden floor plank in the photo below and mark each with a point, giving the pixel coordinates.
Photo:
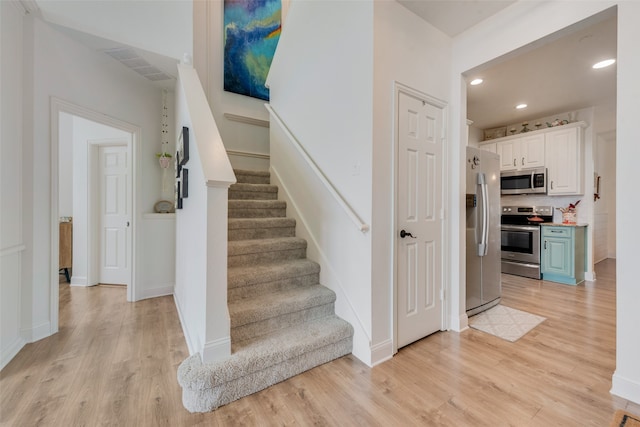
(114, 363)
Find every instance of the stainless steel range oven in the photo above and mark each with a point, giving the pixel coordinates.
(520, 239)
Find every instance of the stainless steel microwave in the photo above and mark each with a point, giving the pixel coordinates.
(524, 181)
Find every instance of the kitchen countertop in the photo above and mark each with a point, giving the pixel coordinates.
(559, 224)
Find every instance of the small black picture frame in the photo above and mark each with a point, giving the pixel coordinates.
(178, 165)
(178, 201)
(183, 146)
(185, 183)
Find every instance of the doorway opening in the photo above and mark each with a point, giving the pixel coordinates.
(82, 189)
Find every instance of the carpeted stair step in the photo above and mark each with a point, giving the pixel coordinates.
(254, 317)
(257, 209)
(261, 228)
(256, 280)
(252, 177)
(253, 192)
(262, 251)
(259, 363)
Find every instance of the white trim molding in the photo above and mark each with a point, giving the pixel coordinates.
(246, 120)
(12, 250)
(625, 388)
(10, 352)
(248, 154)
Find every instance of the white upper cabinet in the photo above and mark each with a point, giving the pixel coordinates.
(559, 149)
(523, 152)
(492, 146)
(564, 160)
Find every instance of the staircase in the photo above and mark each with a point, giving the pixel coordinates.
(282, 320)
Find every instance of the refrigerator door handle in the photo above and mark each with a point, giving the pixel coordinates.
(484, 235)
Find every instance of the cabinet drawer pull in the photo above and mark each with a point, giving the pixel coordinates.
(523, 161)
(514, 162)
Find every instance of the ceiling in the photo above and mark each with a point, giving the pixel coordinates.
(554, 77)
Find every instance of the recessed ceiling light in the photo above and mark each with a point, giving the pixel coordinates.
(521, 106)
(476, 82)
(604, 63)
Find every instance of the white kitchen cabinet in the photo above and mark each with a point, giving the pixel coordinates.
(492, 146)
(564, 159)
(523, 152)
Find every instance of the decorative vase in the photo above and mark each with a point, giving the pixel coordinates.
(569, 217)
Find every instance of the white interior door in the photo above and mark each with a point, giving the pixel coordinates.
(418, 212)
(115, 215)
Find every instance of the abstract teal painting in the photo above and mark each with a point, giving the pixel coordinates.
(251, 33)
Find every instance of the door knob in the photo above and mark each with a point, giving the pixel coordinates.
(404, 234)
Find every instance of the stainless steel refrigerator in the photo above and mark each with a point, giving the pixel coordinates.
(484, 286)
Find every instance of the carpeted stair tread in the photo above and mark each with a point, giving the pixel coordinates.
(255, 246)
(252, 177)
(255, 274)
(257, 204)
(257, 208)
(254, 188)
(245, 191)
(260, 228)
(244, 223)
(251, 356)
(251, 310)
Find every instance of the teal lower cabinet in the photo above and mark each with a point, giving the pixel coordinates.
(563, 253)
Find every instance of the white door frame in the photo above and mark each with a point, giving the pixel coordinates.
(397, 89)
(58, 106)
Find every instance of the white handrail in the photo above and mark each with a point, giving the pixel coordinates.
(351, 213)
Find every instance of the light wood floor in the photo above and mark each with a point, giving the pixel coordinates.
(114, 363)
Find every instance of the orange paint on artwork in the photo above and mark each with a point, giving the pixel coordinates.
(275, 33)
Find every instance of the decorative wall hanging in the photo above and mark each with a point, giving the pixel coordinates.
(251, 33)
(182, 173)
(164, 158)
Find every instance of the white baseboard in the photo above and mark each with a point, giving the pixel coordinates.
(216, 350)
(381, 352)
(459, 323)
(185, 331)
(160, 291)
(38, 332)
(10, 352)
(79, 281)
(590, 276)
(625, 388)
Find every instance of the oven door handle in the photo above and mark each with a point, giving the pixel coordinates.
(484, 235)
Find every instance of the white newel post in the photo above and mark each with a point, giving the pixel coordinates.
(217, 327)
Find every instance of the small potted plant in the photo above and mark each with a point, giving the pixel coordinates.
(569, 213)
(164, 159)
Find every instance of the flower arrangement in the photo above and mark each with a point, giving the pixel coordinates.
(569, 213)
(570, 208)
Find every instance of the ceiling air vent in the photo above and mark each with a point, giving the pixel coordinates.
(131, 59)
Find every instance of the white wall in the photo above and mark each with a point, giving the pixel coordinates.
(626, 380)
(409, 51)
(56, 66)
(321, 86)
(163, 27)
(208, 61)
(201, 226)
(514, 27)
(11, 235)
